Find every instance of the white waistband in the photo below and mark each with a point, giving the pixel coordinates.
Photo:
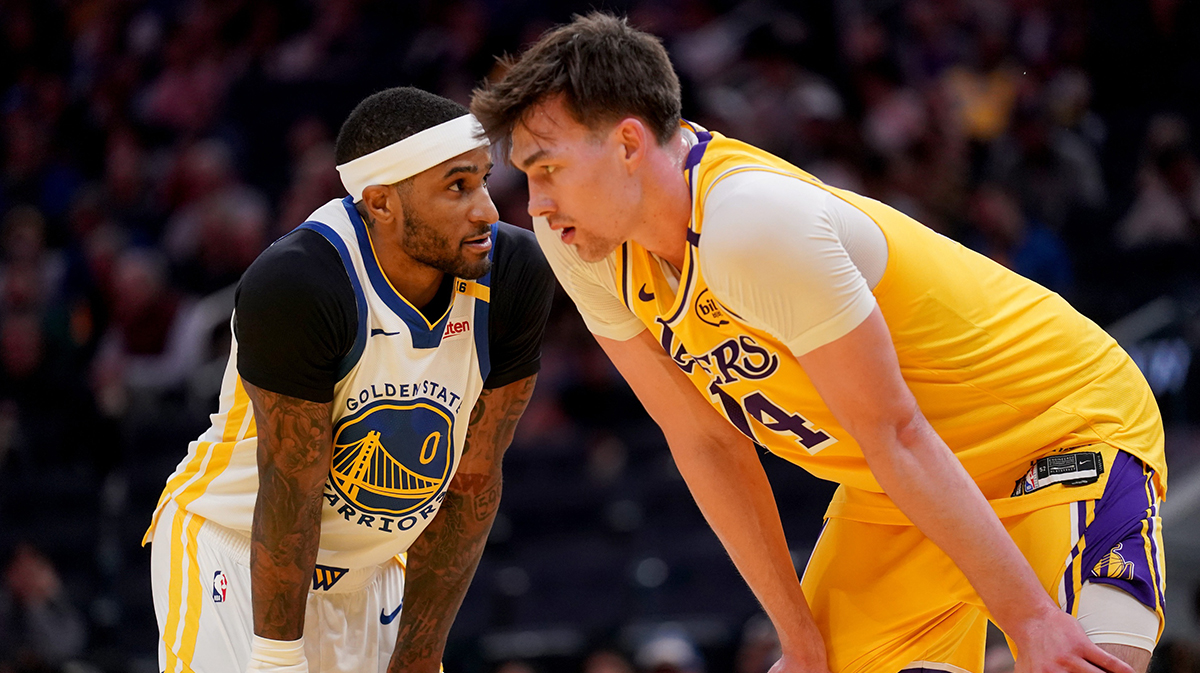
(237, 545)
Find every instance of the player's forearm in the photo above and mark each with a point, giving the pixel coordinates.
(928, 483)
(729, 485)
(441, 564)
(442, 561)
(294, 448)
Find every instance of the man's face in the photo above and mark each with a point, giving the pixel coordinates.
(577, 180)
(448, 215)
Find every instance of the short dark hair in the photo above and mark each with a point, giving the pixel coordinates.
(390, 116)
(603, 68)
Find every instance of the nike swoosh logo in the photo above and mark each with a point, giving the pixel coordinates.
(385, 618)
(378, 332)
(643, 294)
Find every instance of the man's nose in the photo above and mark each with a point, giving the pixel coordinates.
(485, 210)
(540, 203)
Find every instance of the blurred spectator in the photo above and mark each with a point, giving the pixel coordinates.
(669, 651)
(1054, 172)
(515, 667)
(219, 225)
(38, 625)
(759, 648)
(998, 659)
(606, 661)
(314, 182)
(145, 312)
(31, 276)
(1003, 233)
(1166, 210)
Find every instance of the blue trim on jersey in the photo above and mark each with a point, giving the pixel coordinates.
(424, 335)
(360, 339)
(482, 335)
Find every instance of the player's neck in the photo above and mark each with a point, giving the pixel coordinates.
(666, 204)
(416, 282)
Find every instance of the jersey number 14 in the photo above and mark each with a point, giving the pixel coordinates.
(757, 406)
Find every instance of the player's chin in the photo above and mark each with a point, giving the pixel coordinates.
(471, 267)
(593, 251)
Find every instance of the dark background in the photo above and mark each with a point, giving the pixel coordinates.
(152, 148)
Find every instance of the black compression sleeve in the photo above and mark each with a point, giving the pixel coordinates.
(295, 317)
(522, 288)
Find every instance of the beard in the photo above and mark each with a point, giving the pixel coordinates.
(425, 244)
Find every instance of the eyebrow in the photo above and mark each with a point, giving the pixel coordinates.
(472, 169)
(534, 157)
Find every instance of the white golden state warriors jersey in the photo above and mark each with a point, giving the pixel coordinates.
(400, 412)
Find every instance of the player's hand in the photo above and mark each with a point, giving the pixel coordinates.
(1056, 643)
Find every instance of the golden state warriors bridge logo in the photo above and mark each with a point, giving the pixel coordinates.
(392, 458)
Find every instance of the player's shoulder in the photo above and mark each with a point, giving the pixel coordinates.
(301, 262)
(751, 211)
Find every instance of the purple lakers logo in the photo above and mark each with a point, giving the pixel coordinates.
(220, 585)
(1114, 565)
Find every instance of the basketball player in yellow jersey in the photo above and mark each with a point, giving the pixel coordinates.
(999, 456)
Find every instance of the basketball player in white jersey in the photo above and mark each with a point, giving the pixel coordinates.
(383, 353)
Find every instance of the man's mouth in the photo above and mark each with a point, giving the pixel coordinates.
(567, 234)
(481, 243)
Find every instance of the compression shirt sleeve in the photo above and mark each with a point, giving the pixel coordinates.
(773, 250)
(522, 290)
(295, 318)
(591, 285)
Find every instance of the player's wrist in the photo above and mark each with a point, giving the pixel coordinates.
(803, 647)
(1030, 620)
(277, 656)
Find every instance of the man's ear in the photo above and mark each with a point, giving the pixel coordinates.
(378, 202)
(633, 137)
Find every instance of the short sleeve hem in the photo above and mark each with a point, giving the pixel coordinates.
(279, 387)
(834, 328)
(623, 331)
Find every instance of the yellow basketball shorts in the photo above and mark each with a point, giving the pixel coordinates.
(200, 576)
(887, 599)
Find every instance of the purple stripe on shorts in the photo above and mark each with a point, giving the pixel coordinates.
(1116, 551)
(1069, 575)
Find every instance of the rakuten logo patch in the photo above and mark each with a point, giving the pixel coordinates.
(456, 328)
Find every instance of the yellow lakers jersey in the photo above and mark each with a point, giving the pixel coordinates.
(1004, 370)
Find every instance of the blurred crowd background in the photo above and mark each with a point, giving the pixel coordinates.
(151, 149)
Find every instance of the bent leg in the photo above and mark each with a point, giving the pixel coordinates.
(201, 597)
(887, 599)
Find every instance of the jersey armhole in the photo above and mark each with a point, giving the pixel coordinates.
(360, 299)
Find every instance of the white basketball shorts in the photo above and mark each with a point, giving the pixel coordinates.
(200, 575)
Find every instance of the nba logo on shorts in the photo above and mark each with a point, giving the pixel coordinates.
(220, 584)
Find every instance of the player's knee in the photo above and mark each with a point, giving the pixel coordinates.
(1137, 658)
(1119, 623)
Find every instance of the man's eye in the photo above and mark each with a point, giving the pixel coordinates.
(457, 186)
(551, 169)
(485, 178)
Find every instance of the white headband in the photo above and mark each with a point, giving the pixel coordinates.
(419, 152)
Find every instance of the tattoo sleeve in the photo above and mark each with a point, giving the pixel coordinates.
(442, 561)
(294, 448)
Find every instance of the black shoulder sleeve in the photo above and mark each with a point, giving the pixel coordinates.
(522, 289)
(295, 317)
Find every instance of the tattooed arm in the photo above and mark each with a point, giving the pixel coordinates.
(442, 561)
(294, 446)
